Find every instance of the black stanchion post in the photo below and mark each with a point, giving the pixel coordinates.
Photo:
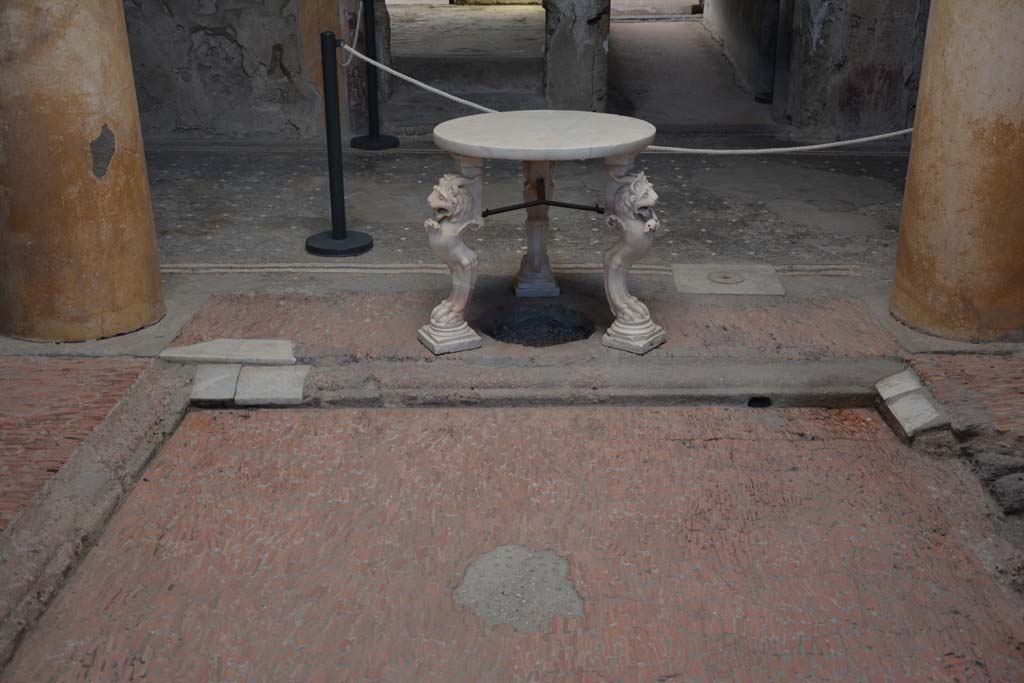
(339, 241)
(374, 140)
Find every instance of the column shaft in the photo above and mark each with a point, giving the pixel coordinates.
(77, 246)
(960, 267)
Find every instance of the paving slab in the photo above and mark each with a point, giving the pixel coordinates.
(271, 386)
(704, 543)
(898, 384)
(727, 278)
(215, 383)
(248, 351)
(916, 412)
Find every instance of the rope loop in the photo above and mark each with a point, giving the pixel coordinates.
(653, 148)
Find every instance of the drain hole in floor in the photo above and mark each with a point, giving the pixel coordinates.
(537, 325)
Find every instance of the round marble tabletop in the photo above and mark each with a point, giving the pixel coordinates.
(543, 135)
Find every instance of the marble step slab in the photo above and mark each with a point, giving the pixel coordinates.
(234, 351)
(271, 386)
(215, 383)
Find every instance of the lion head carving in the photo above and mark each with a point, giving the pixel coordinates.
(634, 204)
(451, 202)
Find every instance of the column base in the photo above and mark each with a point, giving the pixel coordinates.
(539, 289)
(374, 142)
(536, 284)
(441, 341)
(353, 244)
(638, 338)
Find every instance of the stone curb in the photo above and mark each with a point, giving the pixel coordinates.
(47, 539)
(819, 384)
(909, 407)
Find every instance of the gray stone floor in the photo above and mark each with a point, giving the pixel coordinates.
(254, 205)
(232, 218)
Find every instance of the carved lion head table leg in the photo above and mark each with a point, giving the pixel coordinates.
(630, 208)
(456, 202)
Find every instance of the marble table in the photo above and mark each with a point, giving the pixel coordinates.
(539, 139)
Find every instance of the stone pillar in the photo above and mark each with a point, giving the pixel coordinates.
(960, 267)
(77, 246)
(355, 116)
(576, 54)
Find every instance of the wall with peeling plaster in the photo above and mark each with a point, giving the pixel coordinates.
(845, 67)
(231, 68)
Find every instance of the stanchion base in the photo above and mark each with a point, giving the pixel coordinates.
(375, 142)
(355, 243)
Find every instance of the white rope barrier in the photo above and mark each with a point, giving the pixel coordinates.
(355, 33)
(421, 84)
(779, 150)
(652, 148)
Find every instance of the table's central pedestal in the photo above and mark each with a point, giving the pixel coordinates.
(539, 138)
(535, 279)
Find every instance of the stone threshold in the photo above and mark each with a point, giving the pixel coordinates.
(807, 384)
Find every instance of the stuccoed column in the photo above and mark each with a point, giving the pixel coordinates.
(960, 267)
(78, 253)
(576, 54)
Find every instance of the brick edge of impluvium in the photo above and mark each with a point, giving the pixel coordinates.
(48, 538)
(909, 407)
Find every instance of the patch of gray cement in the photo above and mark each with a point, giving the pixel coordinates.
(523, 588)
(102, 151)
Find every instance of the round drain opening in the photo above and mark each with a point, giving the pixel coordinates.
(537, 325)
(725, 277)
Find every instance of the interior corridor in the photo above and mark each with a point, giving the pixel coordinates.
(670, 71)
(489, 54)
(673, 73)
